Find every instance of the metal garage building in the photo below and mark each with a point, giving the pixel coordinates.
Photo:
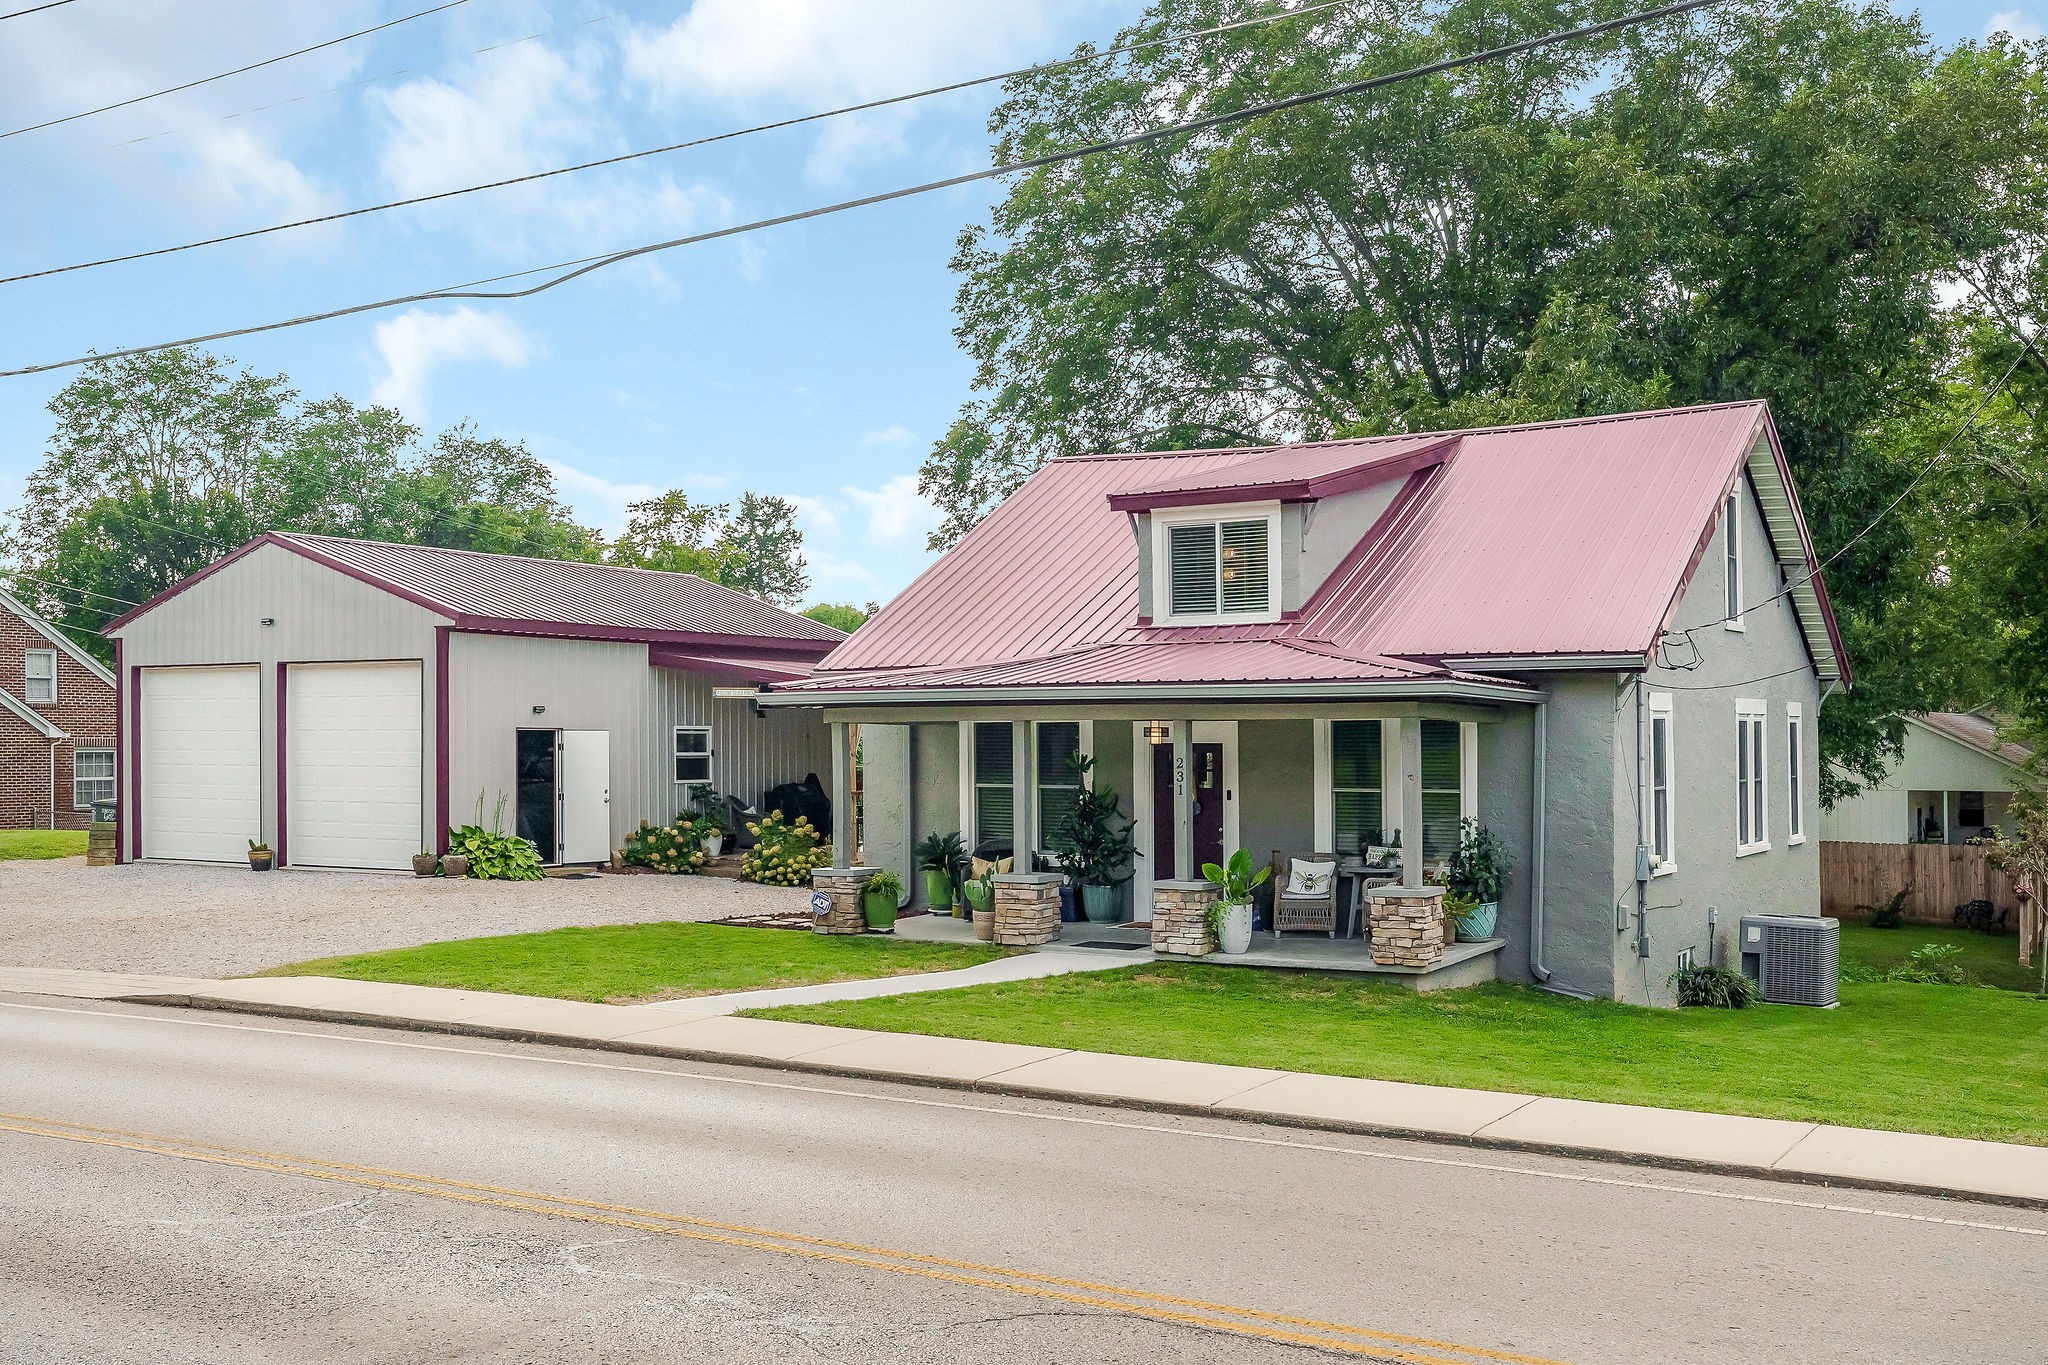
(347, 700)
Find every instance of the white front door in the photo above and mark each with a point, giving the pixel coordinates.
(586, 784)
(352, 764)
(202, 773)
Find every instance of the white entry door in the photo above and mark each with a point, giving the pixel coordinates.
(586, 784)
(202, 771)
(352, 764)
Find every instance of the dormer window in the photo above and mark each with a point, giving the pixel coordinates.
(1215, 564)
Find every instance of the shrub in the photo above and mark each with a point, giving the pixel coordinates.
(1892, 913)
(495, 857)
(1933, 964)
(1714, 988)
(674, 848)
(884, 884)
(783, 854)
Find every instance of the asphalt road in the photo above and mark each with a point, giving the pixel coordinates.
(203, 1187)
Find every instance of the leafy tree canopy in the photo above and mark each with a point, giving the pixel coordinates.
(841, 615)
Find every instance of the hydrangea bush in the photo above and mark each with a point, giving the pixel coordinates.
(784, 853)
(676, 848)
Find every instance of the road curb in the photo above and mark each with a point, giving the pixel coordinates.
(1263, 1118)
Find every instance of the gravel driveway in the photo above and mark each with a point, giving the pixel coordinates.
(187, 920)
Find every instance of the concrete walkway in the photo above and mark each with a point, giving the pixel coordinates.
(1049, 960)
(1818, 1153)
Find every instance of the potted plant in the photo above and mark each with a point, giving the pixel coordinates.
(878, 901)
(259, 856)
(425, 863)
(1230, 918)
(1474, 876)
(713, 819)
(455, 865)
(1094, 843)
(980, 892)
(937, 856)
(1379, 849)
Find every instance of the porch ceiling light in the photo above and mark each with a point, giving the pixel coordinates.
(1156, 732)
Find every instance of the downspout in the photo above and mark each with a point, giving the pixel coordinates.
(1642, 868)
(53, 783)
(1536, 804)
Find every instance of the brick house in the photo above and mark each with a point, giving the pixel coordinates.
(57, 723)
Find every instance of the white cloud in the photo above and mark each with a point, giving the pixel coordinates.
(815, 53)
(417, 342)
(2014, 22)
(629, 401)
(896, 509)
(888, 436)
(832, 577)
(598, 500)
(815, 511)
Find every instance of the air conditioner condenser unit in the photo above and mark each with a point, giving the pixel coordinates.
(1794, 959)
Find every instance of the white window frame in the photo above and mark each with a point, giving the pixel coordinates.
(676, 755)
(1661, 714)
(1753, 793)
(27, 690)
(1731, 556)
(1795, 773)
(110, 779)
(1162, 563)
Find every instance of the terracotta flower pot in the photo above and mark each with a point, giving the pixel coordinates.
(985, 925)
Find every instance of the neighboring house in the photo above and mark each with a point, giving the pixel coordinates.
(1286, 648)
(347, 700)
(1954, 780)
(56, 725)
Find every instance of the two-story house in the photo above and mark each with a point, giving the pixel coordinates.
(57, 723)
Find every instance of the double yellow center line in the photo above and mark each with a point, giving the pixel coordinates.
(1255, 1323)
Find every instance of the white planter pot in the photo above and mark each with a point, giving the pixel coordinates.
(1237, 929)
(714, 844)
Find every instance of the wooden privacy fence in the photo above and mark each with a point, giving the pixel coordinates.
(1942, 876)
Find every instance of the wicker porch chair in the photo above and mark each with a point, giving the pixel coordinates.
(1303, 912)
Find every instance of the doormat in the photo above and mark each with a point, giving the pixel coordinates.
(1105, 943)
(572, 876)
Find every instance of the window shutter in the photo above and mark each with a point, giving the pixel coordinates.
(1191, 551)
(1244, 562)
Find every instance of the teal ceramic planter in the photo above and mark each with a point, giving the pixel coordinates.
(1480, 923)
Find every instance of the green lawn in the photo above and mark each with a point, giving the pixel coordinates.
(637, 962)
(1991, 958)
(1962, 1061)
(41, 843)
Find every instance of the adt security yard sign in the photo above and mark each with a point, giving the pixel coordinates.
(821, 903)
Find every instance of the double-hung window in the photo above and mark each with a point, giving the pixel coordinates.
(1731, 557)
(1752, 833)
(1217, 567)
(1795, 774)
(995, 792)
(39, 677)
(1357, 801)
(1443, 787)
(693, 755)
(92, 777)
(1059, 741)
(1662, 783)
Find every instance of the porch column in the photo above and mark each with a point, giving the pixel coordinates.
(843, 814)
(1410, 799)
(1183, 808)
(1022, 835)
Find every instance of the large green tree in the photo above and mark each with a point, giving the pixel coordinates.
(1755, 200)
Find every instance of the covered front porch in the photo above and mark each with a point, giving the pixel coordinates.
(1376, 788)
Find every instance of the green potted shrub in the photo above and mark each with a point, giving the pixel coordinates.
(259, 856)
(1230, 918)
(937, 856)
(980, 892)
(878, 901)
(1474, 875)
(1094, 843)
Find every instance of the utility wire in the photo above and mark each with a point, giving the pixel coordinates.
(35, 9)
(253, 66)
(706, 141)
(55, 583)
(584, 266)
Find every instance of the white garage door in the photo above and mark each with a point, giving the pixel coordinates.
(202, 784)
(352, 764)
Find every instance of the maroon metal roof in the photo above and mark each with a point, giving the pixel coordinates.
(1557, 539)
(1294, 473)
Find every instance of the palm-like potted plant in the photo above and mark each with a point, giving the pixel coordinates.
(1230, 918)
(937, 855)
(878, 901)
(1094, 843)
(1474, 876)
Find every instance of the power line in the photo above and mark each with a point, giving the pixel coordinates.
(682, 146)
(67, 587)
(35, 9)
(585, 265)
(253, 66)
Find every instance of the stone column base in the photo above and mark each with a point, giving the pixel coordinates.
(1027, 908)
(1180, 918)
(835, 899)
(1407, 924)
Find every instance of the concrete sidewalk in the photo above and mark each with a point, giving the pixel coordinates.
(1815, 1153)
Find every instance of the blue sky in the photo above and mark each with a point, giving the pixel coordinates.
(815, 361)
